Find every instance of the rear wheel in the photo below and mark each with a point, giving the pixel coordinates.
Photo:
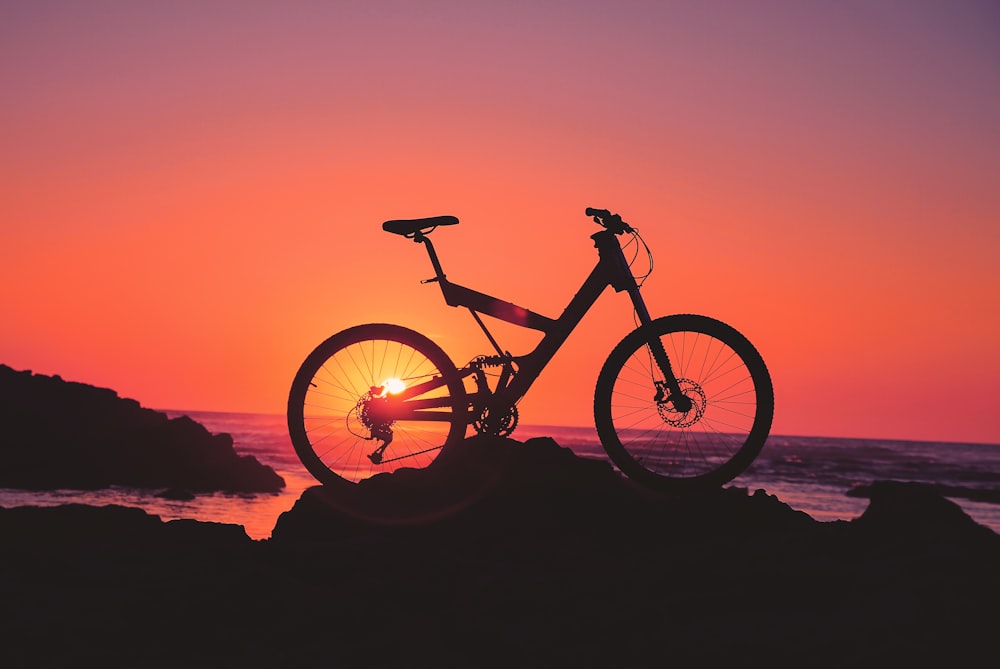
(374, 398)
(702, 443)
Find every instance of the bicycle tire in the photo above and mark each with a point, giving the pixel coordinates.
(718, 438)
(330, 392)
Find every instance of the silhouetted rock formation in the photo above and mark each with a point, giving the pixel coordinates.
(537, 487)
(918, 509)
(958, 492)
(60, 434)
(506, 554)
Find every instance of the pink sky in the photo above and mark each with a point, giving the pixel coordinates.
(191, 193)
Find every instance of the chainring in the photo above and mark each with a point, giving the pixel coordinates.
(495, 424)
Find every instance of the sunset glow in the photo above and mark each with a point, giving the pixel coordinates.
(393, 386)
(191, 195)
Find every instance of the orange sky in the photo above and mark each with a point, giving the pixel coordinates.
(191, 193)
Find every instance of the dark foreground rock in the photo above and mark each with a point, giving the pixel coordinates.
(505, 555)
(987, 495)
(60, 434)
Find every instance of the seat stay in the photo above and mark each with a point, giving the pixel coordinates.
(409, 393)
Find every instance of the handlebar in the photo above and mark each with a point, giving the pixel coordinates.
(612, 222)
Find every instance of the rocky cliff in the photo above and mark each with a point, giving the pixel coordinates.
(62, 434)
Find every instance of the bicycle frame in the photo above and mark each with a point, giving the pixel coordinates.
(676, 432)
(612, 269)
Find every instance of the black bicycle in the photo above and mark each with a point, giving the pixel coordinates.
(683, 402)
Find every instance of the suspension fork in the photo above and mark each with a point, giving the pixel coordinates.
(681, 402)
(619, 275)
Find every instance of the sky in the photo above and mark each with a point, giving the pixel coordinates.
(191, 193)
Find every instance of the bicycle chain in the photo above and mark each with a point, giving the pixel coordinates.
(410, 455)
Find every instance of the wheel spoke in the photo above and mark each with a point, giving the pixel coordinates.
(337, 420)
(731, 397)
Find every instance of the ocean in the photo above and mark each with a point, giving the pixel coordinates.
(810, 474)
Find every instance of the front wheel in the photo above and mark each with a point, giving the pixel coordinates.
(700, 442)
(374, 398)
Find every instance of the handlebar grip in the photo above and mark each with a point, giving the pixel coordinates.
(612, 222)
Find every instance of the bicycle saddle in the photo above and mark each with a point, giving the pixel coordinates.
(411, 226)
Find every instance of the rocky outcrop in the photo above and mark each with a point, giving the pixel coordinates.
(535, 489)
(61, 434)
(506, 554)
(970, 493)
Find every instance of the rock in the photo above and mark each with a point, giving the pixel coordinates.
(60, 434)
(501, 486)
(65, 530)
(961, 492)
(917, 510)
(482, 482)
(504, 554)
(176, 494)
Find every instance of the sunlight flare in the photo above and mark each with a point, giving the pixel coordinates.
(392, 386)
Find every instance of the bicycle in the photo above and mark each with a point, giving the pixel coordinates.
(683, 402)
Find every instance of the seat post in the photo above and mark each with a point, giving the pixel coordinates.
(421, 238)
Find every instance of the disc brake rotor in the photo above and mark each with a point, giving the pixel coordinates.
(671, 416)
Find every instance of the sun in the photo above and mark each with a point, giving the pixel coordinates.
(393, 386)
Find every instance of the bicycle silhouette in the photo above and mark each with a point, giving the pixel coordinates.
(683, 402)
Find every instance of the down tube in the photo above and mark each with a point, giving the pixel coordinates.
(533, 363)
